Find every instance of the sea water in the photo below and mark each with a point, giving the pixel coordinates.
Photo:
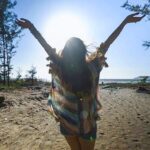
(121, 81)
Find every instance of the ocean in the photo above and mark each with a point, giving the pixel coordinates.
(121, 81)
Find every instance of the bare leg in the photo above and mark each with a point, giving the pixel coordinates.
(86, 144)
(73, 142)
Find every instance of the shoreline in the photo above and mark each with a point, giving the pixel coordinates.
(126, 85)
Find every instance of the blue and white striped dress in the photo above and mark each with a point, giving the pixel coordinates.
(76, 115)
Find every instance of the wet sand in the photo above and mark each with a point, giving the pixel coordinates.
(25, 123)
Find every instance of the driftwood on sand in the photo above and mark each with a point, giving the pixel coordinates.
(143, 90)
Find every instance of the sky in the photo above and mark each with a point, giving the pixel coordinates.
(93, 22)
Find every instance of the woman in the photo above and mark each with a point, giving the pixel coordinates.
(74, 95)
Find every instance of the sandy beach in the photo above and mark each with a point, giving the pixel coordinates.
(25, 123)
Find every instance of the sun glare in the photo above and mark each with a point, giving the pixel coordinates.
(63, 26)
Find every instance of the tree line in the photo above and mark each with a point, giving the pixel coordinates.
(10, 33)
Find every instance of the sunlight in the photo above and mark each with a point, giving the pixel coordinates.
(63, 26)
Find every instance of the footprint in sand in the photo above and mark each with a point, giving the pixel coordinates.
(148, 133)
(102, 133)
(141, 119)
(138, 114)
(147, 122)
(135, 140)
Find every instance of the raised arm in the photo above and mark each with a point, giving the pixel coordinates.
(129, 19)
(24, 23)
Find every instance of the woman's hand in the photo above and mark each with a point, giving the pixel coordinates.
(133, 19)
(129, 19)
(24, 23)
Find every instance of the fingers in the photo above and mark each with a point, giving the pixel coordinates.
(24, 23)
(140, 18)
(18, 22)
(134, 14)
(138, 14)
(143, 16)
(48, 58)
(17, 19)
(132, 18)
(24, 19)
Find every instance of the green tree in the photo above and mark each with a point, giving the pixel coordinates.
(143, 8)
(18, 77)
(32, 72)
(144, 79)
(9, 33)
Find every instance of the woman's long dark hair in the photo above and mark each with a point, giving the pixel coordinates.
(75, 72)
